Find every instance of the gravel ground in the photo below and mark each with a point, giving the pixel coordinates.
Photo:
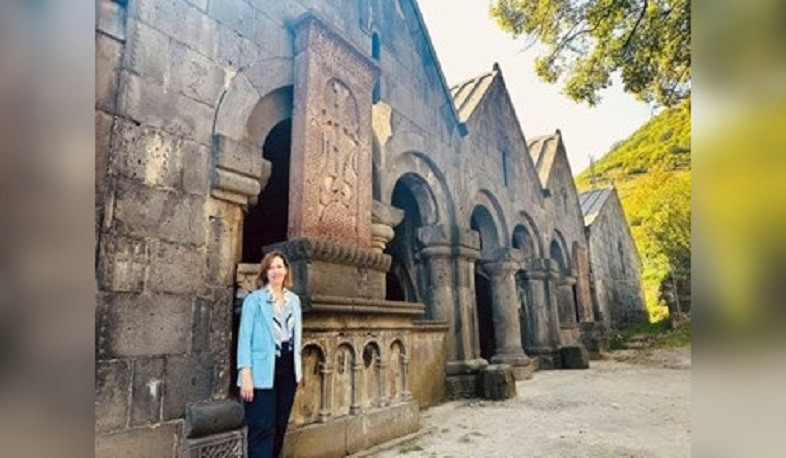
(634, 405)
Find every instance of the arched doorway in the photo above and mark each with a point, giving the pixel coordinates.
(266, 222)
(482, 221)
(407, 280)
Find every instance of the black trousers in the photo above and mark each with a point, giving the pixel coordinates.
(267, 414)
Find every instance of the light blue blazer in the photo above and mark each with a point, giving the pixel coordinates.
(256, 346)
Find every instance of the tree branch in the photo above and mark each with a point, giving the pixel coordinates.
(635, 26)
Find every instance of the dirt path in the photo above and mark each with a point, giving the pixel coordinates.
(637, 405)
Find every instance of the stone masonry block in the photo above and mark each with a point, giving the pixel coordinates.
(108, 59)
(200, 334)
(122, 264)
(113, 380)
(196, 165)
(574, 357)
(146, 212)
(148, 390)
(497, 382)
(147, 154)
(237, 15)
(153, 442)
(103, 135)
(188, 379)
(194, 75)
(149, 52)
(175, 268)
(110, 18)
(147, 102)
(180, 20)
(144, 325)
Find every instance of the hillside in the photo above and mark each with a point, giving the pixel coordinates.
(651, 170)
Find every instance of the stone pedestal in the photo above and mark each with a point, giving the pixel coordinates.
(507, 328)
(497, 382)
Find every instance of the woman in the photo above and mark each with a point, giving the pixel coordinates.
(268, 356)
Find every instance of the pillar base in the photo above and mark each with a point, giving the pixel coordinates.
(521, 363)
(465, 367)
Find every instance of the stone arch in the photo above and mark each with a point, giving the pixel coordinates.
(526, 222)
(344, 383)
(396, 371)
(415, 162)
(558, 250)
(488, 200)
(310, 401)
(482, 220)
(372, 376)
(239, 104)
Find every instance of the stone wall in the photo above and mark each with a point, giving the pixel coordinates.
(616, 266)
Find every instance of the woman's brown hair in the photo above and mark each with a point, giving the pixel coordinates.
(264, 266)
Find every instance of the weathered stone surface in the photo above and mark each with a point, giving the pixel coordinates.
(108, 60)
(150, 103)
(175, 268)
(152, 442)
(188, 379)
(110, 19)
(148, 391)
(149, 52)
(239, 16)
(180, 20)
(381, 426)
(122, 264)
(194, 75)
(574, 357)
(113, 382)
(144, 325)
(497, 382)
(206, 418)
(102, 144)
(317, 440)
(146, 212)
(461, 387)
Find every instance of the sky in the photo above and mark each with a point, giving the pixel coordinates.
(468, 42)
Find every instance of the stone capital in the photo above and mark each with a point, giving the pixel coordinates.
(386, 214)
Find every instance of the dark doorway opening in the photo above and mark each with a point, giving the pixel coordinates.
(483, 301)
(267, 221)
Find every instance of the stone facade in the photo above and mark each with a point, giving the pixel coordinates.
(615, 262)
(428, 237)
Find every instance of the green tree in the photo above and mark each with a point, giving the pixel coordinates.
(646, 41)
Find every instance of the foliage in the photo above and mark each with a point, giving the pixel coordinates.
(647, 42)
(651, 171)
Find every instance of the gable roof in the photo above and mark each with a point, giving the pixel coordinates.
(592, 202)
(543, 151)
(468, 94)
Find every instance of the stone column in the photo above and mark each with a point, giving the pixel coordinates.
(324, 409)
(438, 259)
(552, 277)
(354, 407)
(538, 311)
(507, 327)
(405, 394)
(382, 372)
(467, 340)
(383, 219)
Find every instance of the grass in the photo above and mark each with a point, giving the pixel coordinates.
(410, 446)
(654, 335)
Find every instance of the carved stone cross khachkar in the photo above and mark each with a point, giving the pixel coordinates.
(330, 227)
